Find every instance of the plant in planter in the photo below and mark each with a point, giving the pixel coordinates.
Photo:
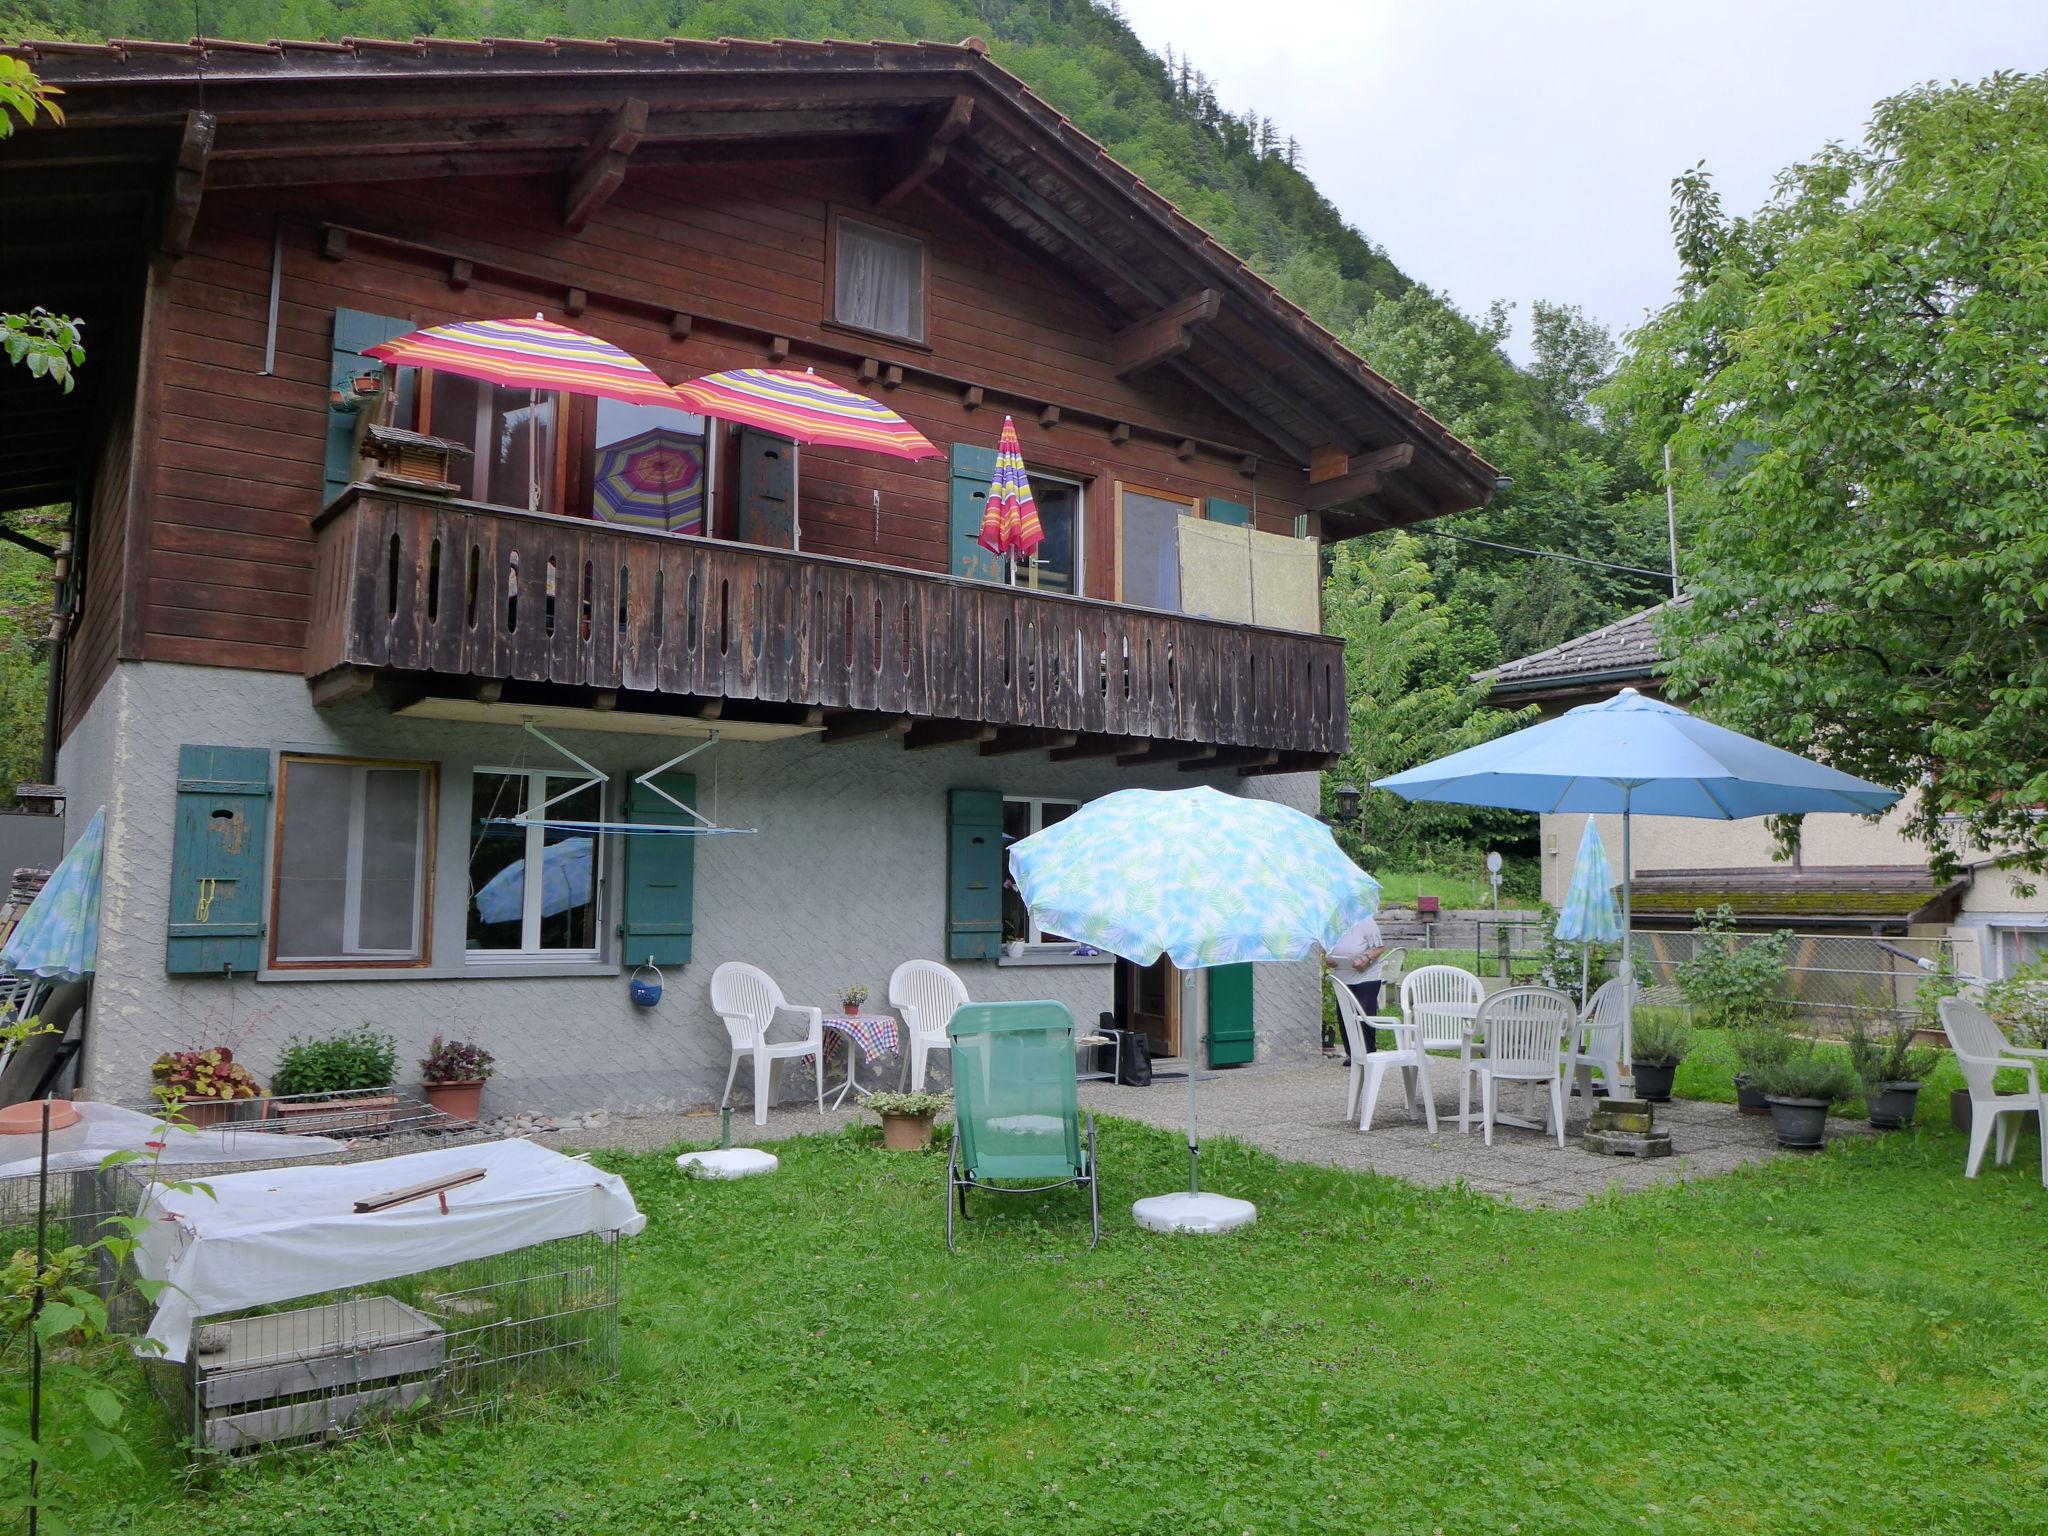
(1799, 1090)
(1762, 1042)
(333, 1081)
(851, 998)
(907, 1118)
(1890, 1062)
(203, 1085)
(454, 1073)
(1662, 1039)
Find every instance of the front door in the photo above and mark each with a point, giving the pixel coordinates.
(1148, 1001)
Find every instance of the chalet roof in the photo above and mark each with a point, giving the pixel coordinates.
(303, 112)
(1625, 651)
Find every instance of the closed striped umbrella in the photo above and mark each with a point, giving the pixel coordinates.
(805, 407)
(1009, 525)
(531, 354)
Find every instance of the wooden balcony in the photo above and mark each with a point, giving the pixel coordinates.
(449, 597)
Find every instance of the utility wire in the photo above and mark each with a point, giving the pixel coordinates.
(1546, 554)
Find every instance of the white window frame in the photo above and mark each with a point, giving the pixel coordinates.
(536, 840)
(2000, 934)
(1038, 803)
(352, 951)
(1018, 568)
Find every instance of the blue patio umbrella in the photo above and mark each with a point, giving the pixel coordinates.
(1587, 916)
(565, 883)
(1205, 879)
(59, 936)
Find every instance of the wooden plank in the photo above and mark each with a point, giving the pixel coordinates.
(915, 162)
(603, 166)
(1167, 334)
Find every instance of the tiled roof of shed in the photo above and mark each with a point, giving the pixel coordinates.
(1626, 648)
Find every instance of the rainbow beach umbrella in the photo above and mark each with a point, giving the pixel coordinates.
(805, 407)
(653, 479)
(1010, 524)
(531, 354)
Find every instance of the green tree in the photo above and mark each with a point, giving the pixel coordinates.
(1863, 370)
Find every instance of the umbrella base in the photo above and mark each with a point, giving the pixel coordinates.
(729, 1163)
(1193, 1213)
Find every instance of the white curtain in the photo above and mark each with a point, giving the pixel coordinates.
(878, 281)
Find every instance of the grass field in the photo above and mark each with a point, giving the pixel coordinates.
(1846, 1343)
(1399, 888)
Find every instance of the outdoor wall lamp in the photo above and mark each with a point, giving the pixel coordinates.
(1347, 805)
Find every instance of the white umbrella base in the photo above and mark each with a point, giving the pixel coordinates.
(729, 1163)
(1193, 1213)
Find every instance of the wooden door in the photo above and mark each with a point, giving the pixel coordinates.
(767, 489)
(1148, 1001)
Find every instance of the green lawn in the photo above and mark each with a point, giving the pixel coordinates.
(1849, 1343)
(1398, 888)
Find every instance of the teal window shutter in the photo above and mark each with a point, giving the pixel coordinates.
(974, 874)
(354, 329)
(1232, 512)
(223, 824)
(661, 877)
(1230, 1015)
(973, 469)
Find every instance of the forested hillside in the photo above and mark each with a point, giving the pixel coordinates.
(1575, 487)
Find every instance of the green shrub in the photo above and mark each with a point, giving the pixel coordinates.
(1660, 1037)
(1807, 1074)
(1888, 1053)
(908, 1103)
(1761, 1045)
(360, 1059)
(2020, 1005)
(1731, 979)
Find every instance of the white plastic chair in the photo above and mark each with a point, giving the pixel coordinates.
(1981, 1050)
(1524, 1031)
(1441, 1001)
(927, 994)
(1393, 963)
(1369, 1067)
(1599, 1041)
(748, 1000)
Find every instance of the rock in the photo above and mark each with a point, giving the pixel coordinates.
(1625, 1144)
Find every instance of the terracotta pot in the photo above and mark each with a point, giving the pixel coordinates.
(367, 1115)
(458, 1101)
(207, 1111)
(26, 1118)
(853, 1010)
(906, 1133)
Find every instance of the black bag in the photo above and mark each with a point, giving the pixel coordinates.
(1134, 1063)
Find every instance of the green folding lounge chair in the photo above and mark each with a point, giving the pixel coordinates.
(1015, 1112)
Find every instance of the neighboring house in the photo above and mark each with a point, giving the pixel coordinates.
(301, 691)
(1848, 874)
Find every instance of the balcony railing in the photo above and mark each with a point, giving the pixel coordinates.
(422, 585)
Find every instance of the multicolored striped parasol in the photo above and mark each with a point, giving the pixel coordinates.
(531, 354)
(653, 479)
(1010, 524)
(805, 407)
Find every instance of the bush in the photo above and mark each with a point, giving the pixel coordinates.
(1660, 1038)
(207, 1074)
(1807, 1074)
(1732, 980)
(346, 1063)
(1760, 1046)
(2020, 1005)
(1888, 1053)
(456, 1061)
(908, 1103)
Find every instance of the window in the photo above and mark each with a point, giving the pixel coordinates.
(352, 862)
(1021, 818)
(1148, 546)
(514, 436)
(877, 280)
(650, 469)
(2015, 947)
(509, 913)
(1057, 565)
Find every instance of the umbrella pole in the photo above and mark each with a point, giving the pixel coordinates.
(1628, 975)
(1187, 1012)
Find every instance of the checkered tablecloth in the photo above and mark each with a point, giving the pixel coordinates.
(874, 1033)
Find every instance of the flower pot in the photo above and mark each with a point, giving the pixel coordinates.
(1749, 1098)
(853, 1010)
(351, 1115)
(906, 1133)
(1654, 1082)
(458, 1101)
(1801, 1124)
(206, 1111)
(1891, 1105)
(1959, 1113)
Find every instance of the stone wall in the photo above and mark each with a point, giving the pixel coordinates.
(845, 879)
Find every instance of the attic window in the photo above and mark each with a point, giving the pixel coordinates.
(878, 281)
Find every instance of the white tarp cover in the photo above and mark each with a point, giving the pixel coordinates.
(283, 1233)
(103, 1129)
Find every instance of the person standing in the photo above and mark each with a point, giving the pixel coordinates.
(1356, 958)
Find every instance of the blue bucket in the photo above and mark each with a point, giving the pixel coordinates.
(645, 986)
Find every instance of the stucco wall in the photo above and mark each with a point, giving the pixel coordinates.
(845, 879)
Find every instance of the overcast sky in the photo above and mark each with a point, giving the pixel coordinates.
(1524, 149)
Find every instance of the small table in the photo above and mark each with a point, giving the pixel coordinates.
(874, 1033)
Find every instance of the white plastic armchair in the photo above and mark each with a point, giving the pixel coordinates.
(1981, 1051)
(1369, 1068)
(1441, 1002)
(927, 994)
(748, 1000)
(1526, 1031)
(1601, 1039)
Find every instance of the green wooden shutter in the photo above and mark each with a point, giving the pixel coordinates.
(223, 823)
(661, 877)
(1230, 1015)
(974, 874)
(354, 329)
(973, 469)
(1235, 513)
(767, 489)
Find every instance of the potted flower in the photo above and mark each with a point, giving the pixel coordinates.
(1890, 1062)
(1799, 1090)
(907, 1118)
(453, 1073)
(1758, 1045)
(851, 998)
(1662, 1039)
(333, 1083)
(201, 1086)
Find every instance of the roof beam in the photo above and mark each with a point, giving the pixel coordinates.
(188, 183)
(602, 169)
(1167, 334)
(1366, 476)
(946, 733)
(911, 166)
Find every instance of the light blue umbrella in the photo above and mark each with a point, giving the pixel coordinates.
(1202, 877)
(565, 883)
(59, 936)
(1588, 916)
